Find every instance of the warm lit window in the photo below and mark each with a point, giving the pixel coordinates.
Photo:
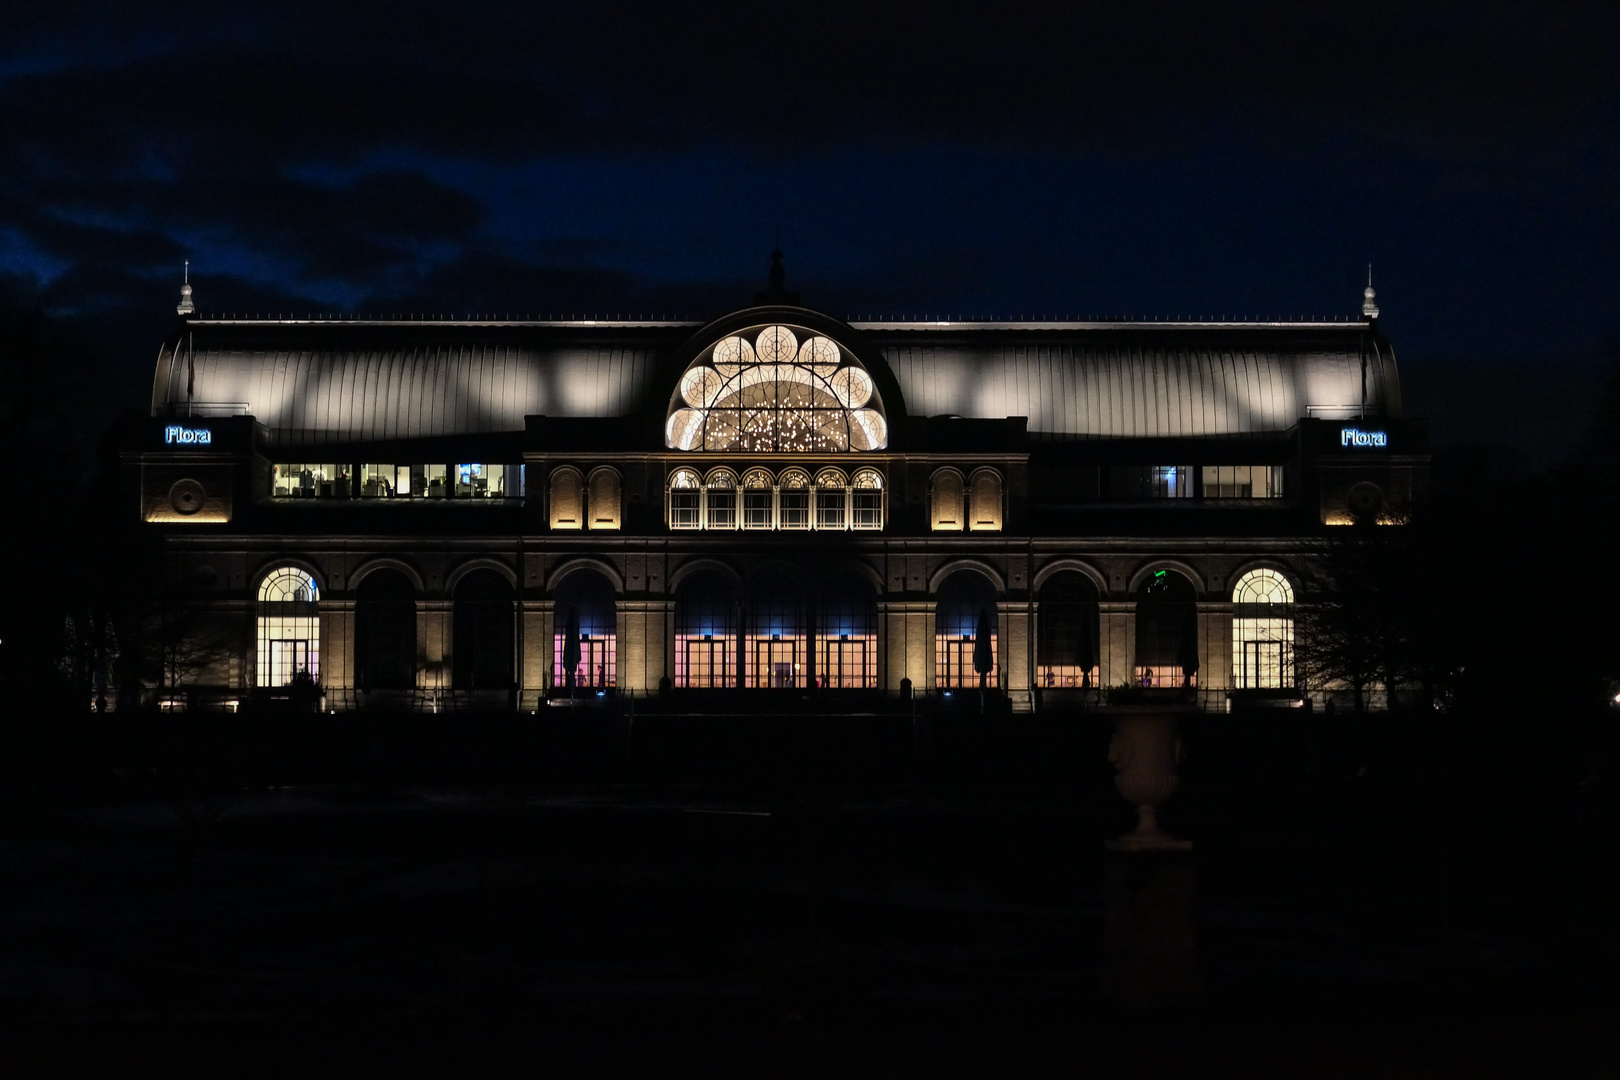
(685, 500)
(1263, 632)
(945, 501)
(834, 502)
(604, 501)
(832, 495)
(720, 491)
(484, 481)
(289, 630)
(984, 504)
(300, 481)
(567, 498)
(759, 500)
(385, 481)
(1243, 481)
(793, 494)
(866, 500)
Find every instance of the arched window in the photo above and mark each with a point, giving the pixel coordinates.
(585, 639)
(685, 500)
(776, 389)
(1167, 631)
(1263, 632)
(846, 636)
(289, 629)
(567, 499)
(775, 652)
(720, 491)
(866, 500)
(793, 499)
(832, 499)
(965, 632)
(984, 509)
(706, 632)
(385, 632)
(945, 501)
(484, 624)
(1066, 652)
(759, 499)
(604, 506)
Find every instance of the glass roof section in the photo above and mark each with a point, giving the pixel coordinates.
(776, 389)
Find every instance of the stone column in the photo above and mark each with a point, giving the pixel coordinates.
(906, 641)
(1013, 648)
(537, 652)
(641, 646)
(336, 621)
(434, 644)
(1117, 649)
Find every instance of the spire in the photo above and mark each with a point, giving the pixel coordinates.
(1369, 302)
(186, 307)
(778, 292)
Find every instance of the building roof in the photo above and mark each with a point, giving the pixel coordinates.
(313, 381)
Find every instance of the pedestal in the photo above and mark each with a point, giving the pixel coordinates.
(1149, 942)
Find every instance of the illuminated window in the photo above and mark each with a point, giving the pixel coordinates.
(776, 389)
(567, 498)
(1150, 481)
(832, 495)
(793, 499)
(685, 500)
(1263, 632)
(1243, 481)
(774, 652)
(759, 500)
(310, 481)
(846, 636)
(1066, 651)
(984, 504)
(720, 492)
(605, 498)
(705, 632)
(945, 501)
(385, 481)
(485, 481)
(965, 632)
(585, 639)
(1167, 631)
(866, 500)
(289, 629)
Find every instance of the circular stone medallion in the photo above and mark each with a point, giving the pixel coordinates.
(186, 496)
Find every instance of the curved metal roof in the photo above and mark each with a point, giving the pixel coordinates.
(313, 381)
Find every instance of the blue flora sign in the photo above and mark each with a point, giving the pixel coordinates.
(1356, 437)
(187, 436)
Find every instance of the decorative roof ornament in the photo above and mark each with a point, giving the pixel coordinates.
(186, 307)
(778, 293)
(1369, 301)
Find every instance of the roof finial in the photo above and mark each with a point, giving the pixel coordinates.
(1369, 303)
(186, 307)
(778, 292)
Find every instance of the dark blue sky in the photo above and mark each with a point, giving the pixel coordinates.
(1151, 159)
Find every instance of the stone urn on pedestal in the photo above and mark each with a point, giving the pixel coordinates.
(1145, 751)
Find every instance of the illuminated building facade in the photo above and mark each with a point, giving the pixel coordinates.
(430, 512)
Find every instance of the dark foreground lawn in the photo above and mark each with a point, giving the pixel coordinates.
(925, 925)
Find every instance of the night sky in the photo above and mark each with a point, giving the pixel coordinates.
(1158, 160)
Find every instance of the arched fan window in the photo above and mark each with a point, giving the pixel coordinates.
(1263, 632)
(685, 500)
(776, 389)
(832, 498)
(721, 491)
(289, 629)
